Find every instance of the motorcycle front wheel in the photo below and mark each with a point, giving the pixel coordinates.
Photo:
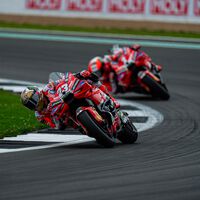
(157, 90)
(129, 133)
(95, 130)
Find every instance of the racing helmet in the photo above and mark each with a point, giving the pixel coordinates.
(32, 98)
(96, 65)
(135, 46)
(116, 51)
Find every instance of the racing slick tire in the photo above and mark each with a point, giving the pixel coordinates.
(95, 130)
(157, 90)
(129, 134)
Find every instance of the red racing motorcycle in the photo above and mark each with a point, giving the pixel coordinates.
(146, 75)
(92, 111)
(134, 71)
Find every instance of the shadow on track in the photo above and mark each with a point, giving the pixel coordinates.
(94, 145)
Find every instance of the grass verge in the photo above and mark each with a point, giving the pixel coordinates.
(100, 30)
(15, 119)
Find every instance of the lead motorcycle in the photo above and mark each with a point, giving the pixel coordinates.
(98, 119)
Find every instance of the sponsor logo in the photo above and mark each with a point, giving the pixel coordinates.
(169, 7)
(84, 5)
(126, 6)
(43, 4)
(187, 9)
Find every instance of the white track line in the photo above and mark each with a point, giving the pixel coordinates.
(46, 137)
(78, 141)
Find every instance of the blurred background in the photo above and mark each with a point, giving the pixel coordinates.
(124, 15)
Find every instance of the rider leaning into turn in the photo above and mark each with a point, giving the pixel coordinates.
(41, 101)
(110, 67)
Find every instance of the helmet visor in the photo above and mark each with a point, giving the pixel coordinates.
(33, 101)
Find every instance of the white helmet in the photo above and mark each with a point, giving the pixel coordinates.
(32, 98)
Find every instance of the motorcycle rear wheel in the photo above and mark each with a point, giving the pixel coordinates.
(156, 89)
(95, 130)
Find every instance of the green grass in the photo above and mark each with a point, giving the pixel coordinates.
(100, 30)
(15, 119)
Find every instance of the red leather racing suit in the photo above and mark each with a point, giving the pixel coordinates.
(50, 114)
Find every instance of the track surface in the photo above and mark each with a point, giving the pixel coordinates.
(163, 164)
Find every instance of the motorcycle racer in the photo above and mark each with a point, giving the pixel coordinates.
(44, 102)
(114, 70)
(128, 55)
(103, 68)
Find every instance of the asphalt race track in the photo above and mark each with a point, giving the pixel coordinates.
(163, 164)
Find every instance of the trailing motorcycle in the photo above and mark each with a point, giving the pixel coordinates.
(95, 117)
(143, 76)
(128, 69)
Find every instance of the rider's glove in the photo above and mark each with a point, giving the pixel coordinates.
(83, 74)
(87, 75)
